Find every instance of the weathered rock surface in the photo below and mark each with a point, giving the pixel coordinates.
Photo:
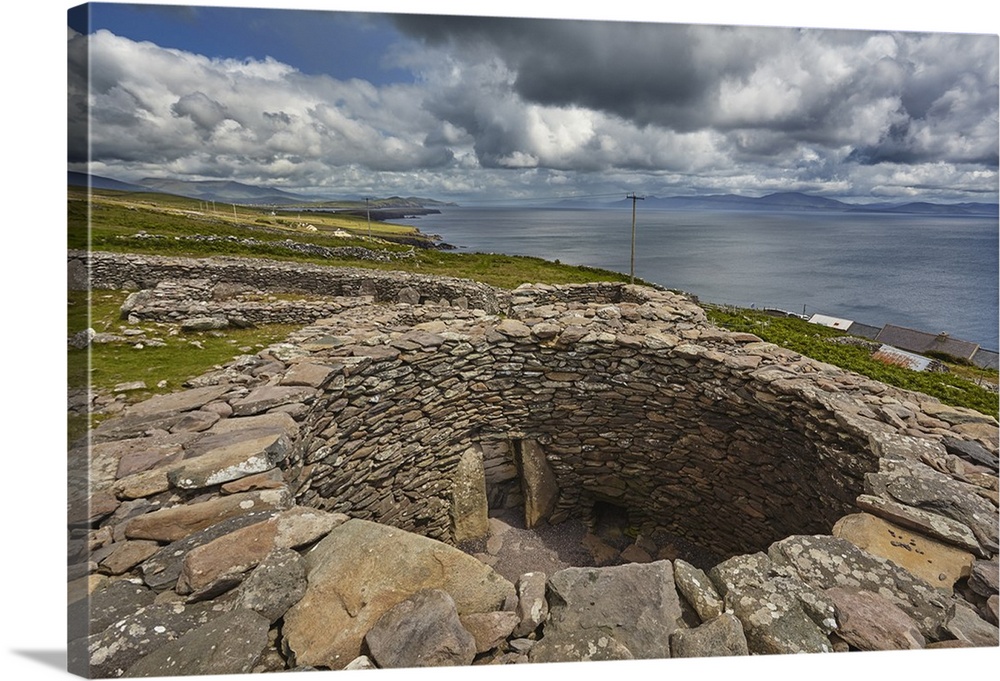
(578, 403)
(779, 613)
(229, 644)
(532, 606)
(718, 637)
(627, 608)
(351, 585)
(869, 621)
(177, 522)
(490, 629)
(828, 562)
(113, 652)
(698, 590)
(937, 564)
(422, 631)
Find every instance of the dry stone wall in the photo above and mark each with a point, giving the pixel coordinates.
(791, 478)
(133, 271)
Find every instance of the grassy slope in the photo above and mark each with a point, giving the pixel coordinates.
(116, 217)
(958, 387)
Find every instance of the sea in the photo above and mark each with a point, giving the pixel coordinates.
(934, 274)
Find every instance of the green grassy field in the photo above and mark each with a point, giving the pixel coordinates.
(109, 220)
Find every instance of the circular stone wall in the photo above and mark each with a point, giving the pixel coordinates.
(566, 402)
(626, 395)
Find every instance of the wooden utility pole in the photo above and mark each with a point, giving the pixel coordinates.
(369, 214)
(631, 268)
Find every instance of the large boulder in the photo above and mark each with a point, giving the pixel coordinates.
(779, 613)
(826, 562)
(620, 612)
(361, 570)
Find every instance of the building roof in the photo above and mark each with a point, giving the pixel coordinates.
(908, 360)
(832, 322)
(924, 343)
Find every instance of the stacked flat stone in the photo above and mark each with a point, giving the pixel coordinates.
(838, 513)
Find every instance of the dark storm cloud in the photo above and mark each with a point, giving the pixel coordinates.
(854, 89)
(613, 67)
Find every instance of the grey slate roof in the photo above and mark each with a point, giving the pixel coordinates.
(923, 343)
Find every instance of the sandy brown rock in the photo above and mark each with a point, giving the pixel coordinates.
(351, 586)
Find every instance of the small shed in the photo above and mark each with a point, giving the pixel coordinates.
(832, 322)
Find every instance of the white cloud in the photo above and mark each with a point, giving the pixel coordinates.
(831, 111)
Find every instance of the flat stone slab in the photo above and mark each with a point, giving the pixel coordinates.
(869, 621)
(184, 400)
(277, 421)
(230, 461)
(930, 524)
(917, 485)
(162, 569)
(132, 638)
(307, 374)
(177, 522)
(227, 558)
(229, 644)
(268, 397)
(937, 564)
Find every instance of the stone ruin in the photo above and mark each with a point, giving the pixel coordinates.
(306, 507)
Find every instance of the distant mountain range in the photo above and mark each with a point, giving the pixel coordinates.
(804, 202)
(229, 191)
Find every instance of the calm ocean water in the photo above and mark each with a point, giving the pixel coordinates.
(929, 273)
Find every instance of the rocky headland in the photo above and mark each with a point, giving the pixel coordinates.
(343, 499)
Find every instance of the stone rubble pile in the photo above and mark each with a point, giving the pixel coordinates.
(302, 507)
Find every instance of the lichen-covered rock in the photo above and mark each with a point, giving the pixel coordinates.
(721, 636)
(779, 612)
(698, 590)
(915, 484)
(119, 647)
(275, 585)
(632, 608)
(826, 562)
(231, 643)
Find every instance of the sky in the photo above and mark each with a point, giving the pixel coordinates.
(491, 108)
